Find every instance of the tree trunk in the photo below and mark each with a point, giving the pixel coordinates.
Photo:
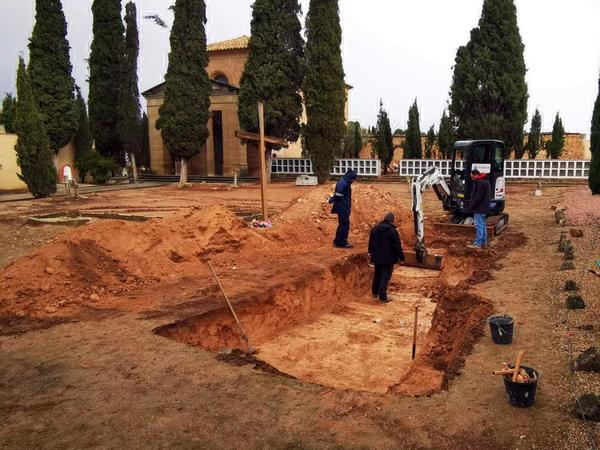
(134, 167)
(183, 176)
(55, 162)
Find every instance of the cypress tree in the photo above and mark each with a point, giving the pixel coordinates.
(347, 150)
(50, 73)
(430, 143)
(413, 148)
(130, 125)
(145, 155)
(556, 145)
(489, 91)
(7, 116)
(34, 156)
(358, 140)
(384, 141)
(324, 87)
(594, 176)
(534, 141)
(106, 63)
(185, 111)
(446, 136)
(83, 138)
(274, 70)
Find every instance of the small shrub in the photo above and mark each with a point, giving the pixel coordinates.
(99, 167)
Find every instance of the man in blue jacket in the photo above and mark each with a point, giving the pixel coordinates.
(479, 206)
(342, 206)
(385, 250)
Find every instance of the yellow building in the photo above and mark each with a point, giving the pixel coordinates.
(223, 152)
(9, 170)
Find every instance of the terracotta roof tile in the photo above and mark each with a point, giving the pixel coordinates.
(238, 43)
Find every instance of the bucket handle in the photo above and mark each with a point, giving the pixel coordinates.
(502, 330)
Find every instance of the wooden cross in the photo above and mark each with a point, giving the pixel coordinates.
(262, 140)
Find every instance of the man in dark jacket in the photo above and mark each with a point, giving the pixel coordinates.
(342, 206)
(479, 206)
(385, 250)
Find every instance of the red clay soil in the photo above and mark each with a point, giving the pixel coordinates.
(96, 267)
(100, 269)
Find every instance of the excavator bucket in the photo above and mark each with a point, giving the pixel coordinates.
(432, 262)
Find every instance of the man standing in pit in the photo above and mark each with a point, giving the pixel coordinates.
(479, 206)
(342, 206)
(385, 250)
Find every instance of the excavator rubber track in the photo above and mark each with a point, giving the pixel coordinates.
(495, 225)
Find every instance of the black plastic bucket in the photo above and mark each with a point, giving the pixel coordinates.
(502, 329)
(521, 394)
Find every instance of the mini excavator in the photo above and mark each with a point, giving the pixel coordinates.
(487, 156)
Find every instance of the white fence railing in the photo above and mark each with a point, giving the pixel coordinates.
(296, 166)
(416, 167)
(551, 168)
(521, 168)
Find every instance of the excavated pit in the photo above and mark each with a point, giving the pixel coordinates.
(325, 328)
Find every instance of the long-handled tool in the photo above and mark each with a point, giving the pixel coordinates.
(414, 346)
(518, 365)
(239, 324)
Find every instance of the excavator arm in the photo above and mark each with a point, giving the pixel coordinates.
(431, 178)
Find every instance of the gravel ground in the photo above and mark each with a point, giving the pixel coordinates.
(583, 210)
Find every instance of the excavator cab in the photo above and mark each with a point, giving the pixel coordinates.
(487, 156)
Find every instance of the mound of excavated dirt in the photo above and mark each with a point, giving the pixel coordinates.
(107, 257)
(99, 265)
(312, 213)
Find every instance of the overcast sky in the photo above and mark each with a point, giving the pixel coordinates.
(393, 49)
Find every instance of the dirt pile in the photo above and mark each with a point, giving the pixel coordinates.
(312, 214)
(112, 257)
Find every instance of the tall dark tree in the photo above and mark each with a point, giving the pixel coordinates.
(534, 141)
(413, 148)
(446, 136)
(34, 156)
(7, 115)
(556, 145)
(106, 64)
(324, 87)
(383, 144)
(274, 70)
(185, 111)
(145, 155)
(352, 141)
(83, 138)
(358, 140)
(130, 116)
(489, 91)
(594, 176)
(430, 143)
(50, 73)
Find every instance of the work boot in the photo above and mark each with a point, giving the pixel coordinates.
(344, 246)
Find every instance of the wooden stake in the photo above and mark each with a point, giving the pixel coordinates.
(414, 346)
(263, 169)
(237, 320)
(518, 365)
